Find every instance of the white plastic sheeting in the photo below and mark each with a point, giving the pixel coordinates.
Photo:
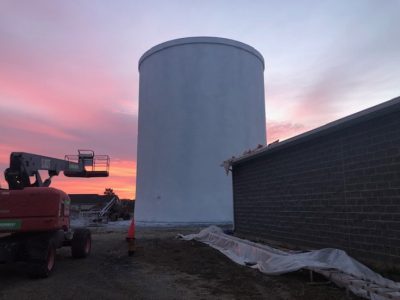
(333, 263)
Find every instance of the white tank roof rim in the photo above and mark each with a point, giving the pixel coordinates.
(201, 40)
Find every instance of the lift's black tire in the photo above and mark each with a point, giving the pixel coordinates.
(41, 258)
(81, 243)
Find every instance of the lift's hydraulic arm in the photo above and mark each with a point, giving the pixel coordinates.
(23, 165)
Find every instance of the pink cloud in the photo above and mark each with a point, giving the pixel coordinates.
(283, 130)
(35, 127)
(60, 95)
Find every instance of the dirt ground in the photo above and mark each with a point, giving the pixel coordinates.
(163, 267)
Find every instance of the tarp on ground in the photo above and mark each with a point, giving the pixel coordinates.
(273, 261)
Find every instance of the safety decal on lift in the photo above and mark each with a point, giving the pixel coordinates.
(10, 224)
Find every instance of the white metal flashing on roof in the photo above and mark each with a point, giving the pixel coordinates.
(364, 115)
(201, 40)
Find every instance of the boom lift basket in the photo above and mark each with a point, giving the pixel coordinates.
(91, 165)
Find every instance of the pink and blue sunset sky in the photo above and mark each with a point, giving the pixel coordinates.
(69, 78)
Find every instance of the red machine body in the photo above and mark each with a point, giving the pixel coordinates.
(33, 209)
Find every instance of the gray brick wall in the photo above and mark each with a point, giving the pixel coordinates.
(340, 189)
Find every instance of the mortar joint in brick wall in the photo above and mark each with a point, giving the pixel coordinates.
(345, 211)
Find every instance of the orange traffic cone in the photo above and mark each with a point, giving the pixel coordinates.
(131, 231)
(130, 238)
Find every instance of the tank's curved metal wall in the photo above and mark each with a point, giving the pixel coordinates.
(201, 100)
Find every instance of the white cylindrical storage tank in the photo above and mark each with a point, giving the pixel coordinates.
(201, 100)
